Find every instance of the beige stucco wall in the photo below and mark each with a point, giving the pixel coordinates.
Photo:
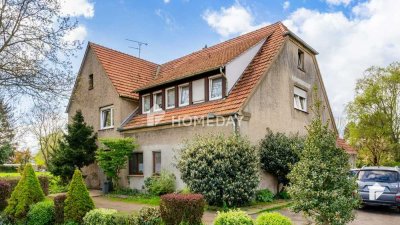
(90, 101)
(167, 140)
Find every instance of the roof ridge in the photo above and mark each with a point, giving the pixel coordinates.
(117, 51)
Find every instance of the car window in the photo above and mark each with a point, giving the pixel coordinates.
(378, 176)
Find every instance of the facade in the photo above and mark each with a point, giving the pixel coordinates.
(263, 79)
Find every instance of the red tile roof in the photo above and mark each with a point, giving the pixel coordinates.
(341, 143)
(126, 72)
(275, 35)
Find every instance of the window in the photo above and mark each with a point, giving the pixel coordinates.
(146, 103)
(156, 162)
(215, 88)
(184, 95)
(300, 59)
(90, 81)
(378, 176)
(300, 99)
(170, 97)
(106, 117)
(157, 99)
(136, 164)
(198, 91)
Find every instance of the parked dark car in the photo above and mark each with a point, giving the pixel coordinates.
(379, 186)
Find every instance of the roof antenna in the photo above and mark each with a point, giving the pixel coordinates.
(139, 45)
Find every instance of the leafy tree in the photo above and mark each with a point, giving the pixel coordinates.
(76, 149)
(320, 185)
(78, 201)
(224, 169)
(114, 155)
(374, 113)
(34, 53)
(278, 153)
(6, 131)
(27, 192)
(22, 157)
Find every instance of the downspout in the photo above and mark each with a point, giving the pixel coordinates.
(221, 70)
(235, 123)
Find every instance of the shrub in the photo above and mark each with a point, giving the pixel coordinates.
(56, 185)
(272, 219)
(59, 201)
(177, 208)
(162, 184)
(78, 201)
(224, 169)
(264, 196)
(100, 216)
(44, 183)
(233, 217)
(5, 192)
(123, 219)
(149, 216)
(41, 213)
(283, 195)
(13, 181)
(26, 193)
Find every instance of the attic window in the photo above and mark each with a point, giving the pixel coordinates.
(215, 87)
(300, 59)
(146, 103)
(184, 95)
(300, 99)
(90, 81)
(157, 99)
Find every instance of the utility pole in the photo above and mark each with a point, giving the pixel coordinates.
(139, 45)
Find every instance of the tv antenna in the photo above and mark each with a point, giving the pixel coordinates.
(139, 45)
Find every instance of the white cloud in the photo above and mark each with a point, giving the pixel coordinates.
(233, 20)
(77, 34)
(167, 18)
(77, 8)
(349, 45)
(166, 1)
(338, 2)
(286, 5)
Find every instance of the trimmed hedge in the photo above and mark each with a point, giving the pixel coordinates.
(182, 208)
(123, 219)
(272, 219)
(59, 208)
(146, 216)
(26, 193)
(41, 213)
(78, 201)
(13, 181)
(100, 216)
(233, 217)
(5, 193)
(149, 216)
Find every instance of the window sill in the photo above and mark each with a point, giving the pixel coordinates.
(106, 128)
(300, 110)
(136, 175)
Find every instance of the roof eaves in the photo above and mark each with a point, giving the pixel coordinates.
(297, 38)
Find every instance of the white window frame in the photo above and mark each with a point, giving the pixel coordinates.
(210, 80)
(179, 92)
(144, 96)
(156, 109)
(102, 118)
(166, 97)
(300, 99)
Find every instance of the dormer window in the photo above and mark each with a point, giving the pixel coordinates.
(90, 81)
(170, 97)
(184, 95)
(215, 87)
(300, 59)
(146, 103)
(157, 99)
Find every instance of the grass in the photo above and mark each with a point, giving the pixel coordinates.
(139, 198)
(276, 208)
(2, 174)
(252, 205)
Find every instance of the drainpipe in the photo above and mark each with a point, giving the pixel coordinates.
(235, 123)
(221, 70)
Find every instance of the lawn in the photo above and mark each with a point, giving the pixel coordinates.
(3, 174)
(138, 198)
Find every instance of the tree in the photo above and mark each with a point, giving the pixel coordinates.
(319, 183)
(223, 169)
(113, 156)
(27, 192)
(78, 201)
(76, 149)
(6, 131)
(374, 113)
(278, 153)
(35, 55)
(22, 157)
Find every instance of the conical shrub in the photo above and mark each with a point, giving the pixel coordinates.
(27, 192)
(78, 201)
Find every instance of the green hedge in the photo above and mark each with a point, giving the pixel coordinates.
(41, 213)
(100, 216)
(43, 180)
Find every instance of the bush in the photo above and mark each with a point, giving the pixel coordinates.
(162, 184)
(224, 169)
(149, 216)
(8, 169)
(100, 216)
(186, 208)
(59, 201)
(233, 217)
(5, 192)
(13, 181)
(122, 219)
(56, 185)
(26, 193)
(264, 196)
(283, 195)
(78, 201)
(272, 219)
(44, 183)
(41, 213)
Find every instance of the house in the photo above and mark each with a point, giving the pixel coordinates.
(262, 79)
